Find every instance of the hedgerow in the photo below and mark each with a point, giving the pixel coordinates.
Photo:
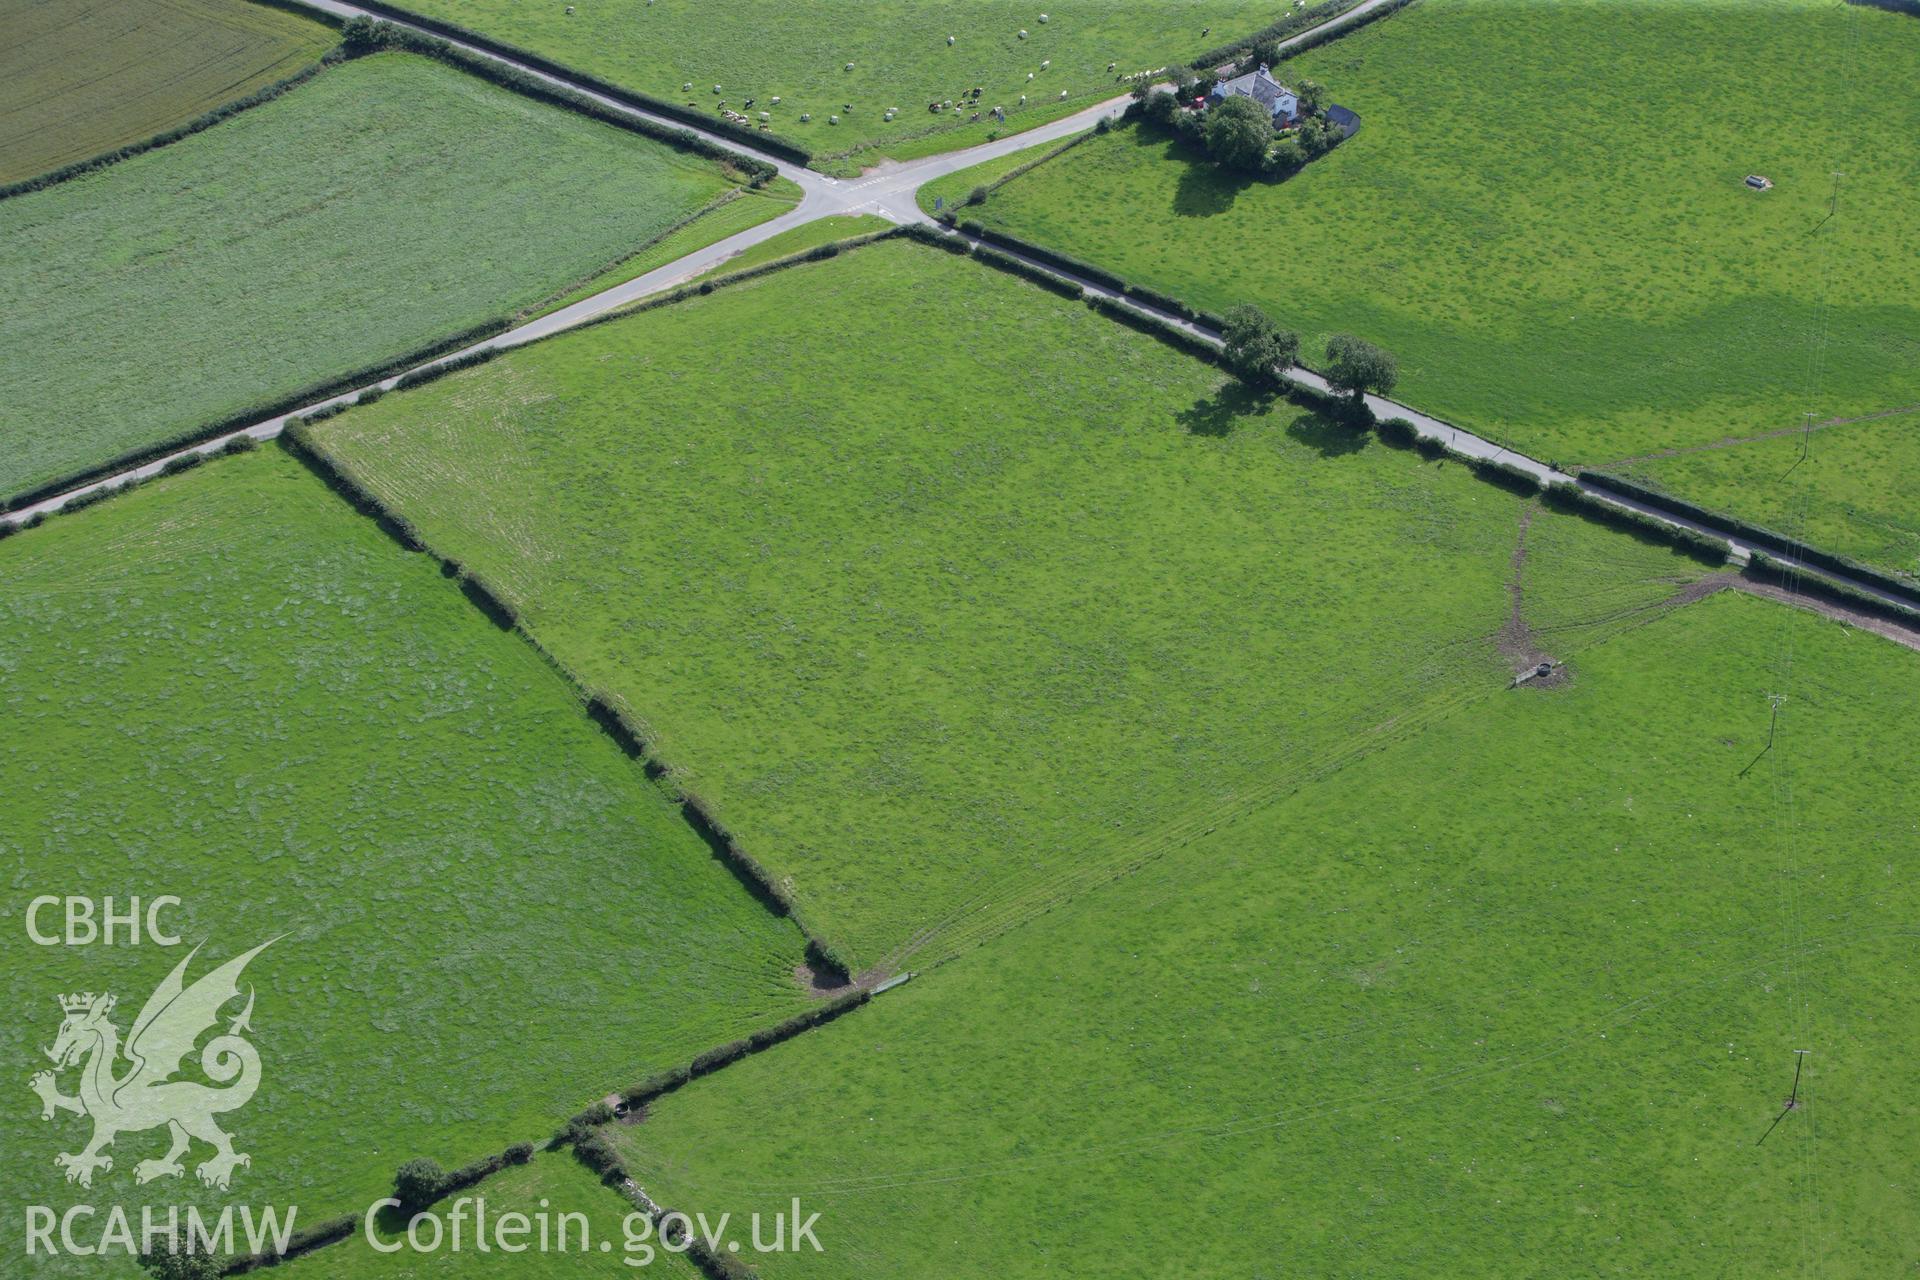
(1045, 256)
(1027, 271)
(1507, 476)
(1572, 499)
(1172, 334)
(641, 101)
(246, 417)
(1280, 30)
(1762, 567)
(258, 97)
(1757, 535)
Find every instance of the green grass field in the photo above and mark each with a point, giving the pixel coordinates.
(749, 207)
(1047, 599)
(1850, 490)
(1544, 216)
(1517, 996)
(552, 1184)
(388, 203)
(798, 51)
(944, 194)
(79, 80)
(229, 687)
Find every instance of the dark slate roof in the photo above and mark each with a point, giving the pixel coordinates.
(1341, 118)
(1258, 85)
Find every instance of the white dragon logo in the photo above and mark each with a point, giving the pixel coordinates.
(147, 1096)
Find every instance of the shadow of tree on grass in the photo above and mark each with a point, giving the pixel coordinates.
(1327, 436)
(1205, 189)
(1215, 415)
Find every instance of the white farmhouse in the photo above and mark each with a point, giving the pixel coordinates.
(1260, 85)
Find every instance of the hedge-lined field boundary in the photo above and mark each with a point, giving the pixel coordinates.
(553, 301)
(417, 372)
(173, 467)
(683, 292)
(1315, 40)
(1745, 530)
(711, 1060)
(365, 35)
(750, 138)
(1292, 24)
(629, 734)
(1029, 166)
(1762, 567)
(1397, 431)
(204, 121)
(246, 417)
(592, 1149)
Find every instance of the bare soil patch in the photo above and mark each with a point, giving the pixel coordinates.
(819, 980)
(1516, 640)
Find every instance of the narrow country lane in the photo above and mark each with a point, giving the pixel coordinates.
(890, 190)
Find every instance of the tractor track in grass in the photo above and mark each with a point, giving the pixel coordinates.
(890, 190)
(1730, 442)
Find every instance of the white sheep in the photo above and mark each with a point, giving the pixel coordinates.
(1023, 33)
(569, 11)
(1063, 95)
(833, 119)
(806, 117)
(949, 39)
(1029, 75)
(716, 88)
(764, 115)
(1046, 64)
(687, 87)
(775, 99)
(849, 66)
(1023, 99)
(1044, 18)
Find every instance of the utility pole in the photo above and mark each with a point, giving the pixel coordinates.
(1772, 722)
(1793, 1099)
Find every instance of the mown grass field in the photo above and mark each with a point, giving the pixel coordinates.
(1043, 599)
(1544, 216)
(385, 204)
(552, 1184)
(1516, 996)
(798, 51)
(79, 80)
(1849, 490)
(229, 687)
